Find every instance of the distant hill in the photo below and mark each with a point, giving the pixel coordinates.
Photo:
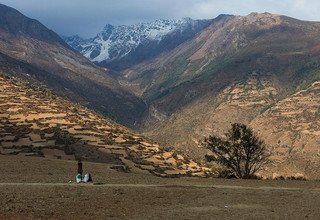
(28, 49)
(35, 122)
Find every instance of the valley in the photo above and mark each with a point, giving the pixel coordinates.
(136, 103)
(174, 83)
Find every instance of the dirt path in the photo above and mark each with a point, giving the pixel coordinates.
(156, 201)
(108, 185)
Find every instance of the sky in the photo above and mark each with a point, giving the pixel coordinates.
(88, 17)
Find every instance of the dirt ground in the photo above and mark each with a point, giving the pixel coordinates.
(40, 188)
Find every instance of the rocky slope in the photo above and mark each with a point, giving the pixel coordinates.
(235, 71)
(119, 47)
(35, 122)
(30, 50)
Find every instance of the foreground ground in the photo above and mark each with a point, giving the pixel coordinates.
(32, 188)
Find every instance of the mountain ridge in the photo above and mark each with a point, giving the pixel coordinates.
(11, 20)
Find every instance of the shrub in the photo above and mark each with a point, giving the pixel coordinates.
(175, 155)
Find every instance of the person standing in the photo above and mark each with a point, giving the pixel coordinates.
(80, 171)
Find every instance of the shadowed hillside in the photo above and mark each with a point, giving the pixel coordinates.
(31, 51)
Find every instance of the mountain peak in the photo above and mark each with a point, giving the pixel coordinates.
(264, 14)
(264, 20)
(108, 27)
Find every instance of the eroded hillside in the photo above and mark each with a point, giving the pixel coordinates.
(35, 122)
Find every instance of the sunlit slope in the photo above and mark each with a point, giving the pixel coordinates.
(35, 122)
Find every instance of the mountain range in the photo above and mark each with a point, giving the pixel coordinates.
(119, 47)
(177, 81)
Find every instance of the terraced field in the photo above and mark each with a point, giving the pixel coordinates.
(240, 102)
(34, 122)
(292, 128)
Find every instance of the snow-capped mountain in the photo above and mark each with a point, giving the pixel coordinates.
(121, 46)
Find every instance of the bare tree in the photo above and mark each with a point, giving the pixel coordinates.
(242, 152)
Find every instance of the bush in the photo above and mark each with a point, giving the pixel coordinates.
(175, 155)
(241, 152)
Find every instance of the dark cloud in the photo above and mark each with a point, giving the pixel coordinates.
(86, 18)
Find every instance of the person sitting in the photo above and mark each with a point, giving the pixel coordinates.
(87, 178)
(78, 178)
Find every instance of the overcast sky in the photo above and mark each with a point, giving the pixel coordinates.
(88, 17)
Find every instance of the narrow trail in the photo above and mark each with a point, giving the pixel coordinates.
(111, 185)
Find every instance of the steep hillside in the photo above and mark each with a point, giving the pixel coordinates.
(235, 71)
(120, 47)
(225, 52)
(34, 122)
(28, 49)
